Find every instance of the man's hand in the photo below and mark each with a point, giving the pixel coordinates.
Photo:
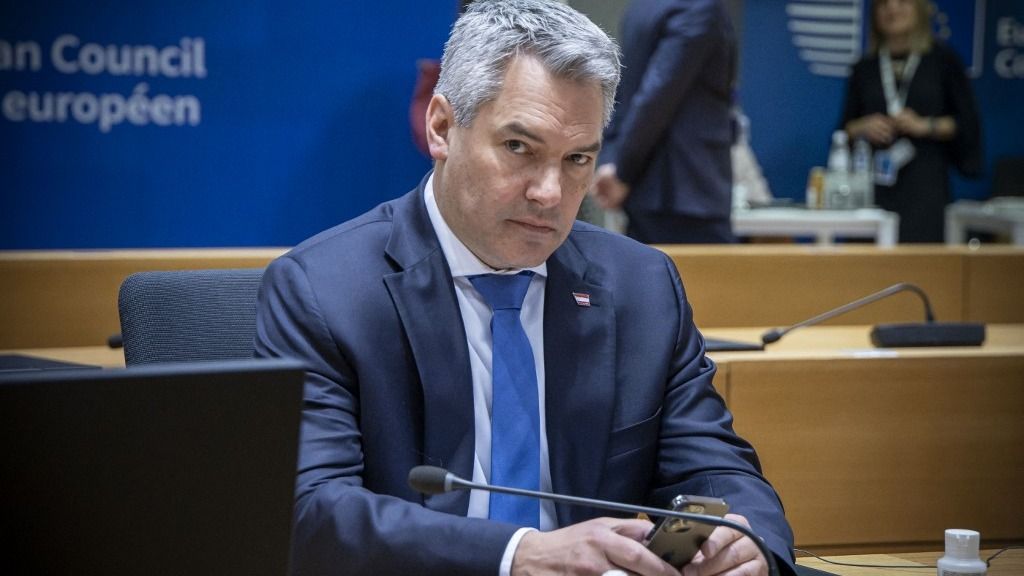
(728, 553)
(608, 190)
(590, 548)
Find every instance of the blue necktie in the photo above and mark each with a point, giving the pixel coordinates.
(515, 416)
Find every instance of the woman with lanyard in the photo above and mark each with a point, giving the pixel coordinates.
(910, 98)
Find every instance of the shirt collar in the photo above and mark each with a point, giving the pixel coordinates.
(461, 261)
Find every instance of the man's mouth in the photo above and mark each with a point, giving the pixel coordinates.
(535, 226)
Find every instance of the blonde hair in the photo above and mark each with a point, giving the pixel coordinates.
(920, 36)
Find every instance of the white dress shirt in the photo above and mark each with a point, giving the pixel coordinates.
(476, 316)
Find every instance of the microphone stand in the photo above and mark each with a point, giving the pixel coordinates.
(451, 482)
(928, 333)
(775, 334)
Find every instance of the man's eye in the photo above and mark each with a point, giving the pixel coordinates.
(515, 146)
(579, 159)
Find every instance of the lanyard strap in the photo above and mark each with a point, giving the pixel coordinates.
(895, 101)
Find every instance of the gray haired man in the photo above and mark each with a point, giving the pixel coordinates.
(593, 382)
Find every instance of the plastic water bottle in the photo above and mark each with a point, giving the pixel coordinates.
(961, 557)
(862, 183)
(838, 193)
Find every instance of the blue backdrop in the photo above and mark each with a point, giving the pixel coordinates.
(793, 94)
(255, 122)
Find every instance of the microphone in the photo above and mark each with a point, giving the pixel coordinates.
(927, 333)
(434, 480)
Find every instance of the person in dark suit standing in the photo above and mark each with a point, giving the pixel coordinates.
(417, 354)
(666, 157)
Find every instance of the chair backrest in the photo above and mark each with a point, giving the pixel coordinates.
(188, 315)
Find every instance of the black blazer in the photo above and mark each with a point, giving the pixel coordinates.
(672, 130)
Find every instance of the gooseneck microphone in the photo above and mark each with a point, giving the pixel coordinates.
(434, 480)
(927, 333)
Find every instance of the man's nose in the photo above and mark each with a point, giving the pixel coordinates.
(546, 190)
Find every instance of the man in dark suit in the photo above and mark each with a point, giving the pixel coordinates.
(397, 332)
(666, 156)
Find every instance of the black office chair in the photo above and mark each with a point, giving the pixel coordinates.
(188, 315)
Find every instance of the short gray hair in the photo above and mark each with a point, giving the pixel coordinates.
(492, 33)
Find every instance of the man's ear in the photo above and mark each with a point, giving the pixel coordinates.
(440, 120)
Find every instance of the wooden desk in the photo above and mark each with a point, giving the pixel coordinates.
(855, 342)
(69, 298)
(870, 449)
(90, 355)
(923, 439)
(1009, 563)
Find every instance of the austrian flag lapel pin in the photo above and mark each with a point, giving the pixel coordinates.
(582, 298)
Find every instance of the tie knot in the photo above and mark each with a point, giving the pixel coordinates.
(503, 291)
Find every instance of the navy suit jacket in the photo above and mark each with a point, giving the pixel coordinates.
(671, 134)
(370, 307)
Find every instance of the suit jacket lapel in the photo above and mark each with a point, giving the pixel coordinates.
(425, 299)
(579, 360)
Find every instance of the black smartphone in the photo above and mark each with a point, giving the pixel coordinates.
(676, 541)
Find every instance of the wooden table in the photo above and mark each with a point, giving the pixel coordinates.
(882, 449)
(855, 342)
(1009, 563)
(870, 449)
(91, 355)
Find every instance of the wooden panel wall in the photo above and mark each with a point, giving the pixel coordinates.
(882, 451)
(994, 286)
(52, 299)
(778, 285)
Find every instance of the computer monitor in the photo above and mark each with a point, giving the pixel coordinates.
(185, 469)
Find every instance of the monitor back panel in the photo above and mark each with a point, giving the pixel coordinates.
(185, 469)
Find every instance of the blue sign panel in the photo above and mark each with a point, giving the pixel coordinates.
(192, 123)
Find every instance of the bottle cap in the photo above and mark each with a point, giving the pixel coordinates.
(962, 543)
